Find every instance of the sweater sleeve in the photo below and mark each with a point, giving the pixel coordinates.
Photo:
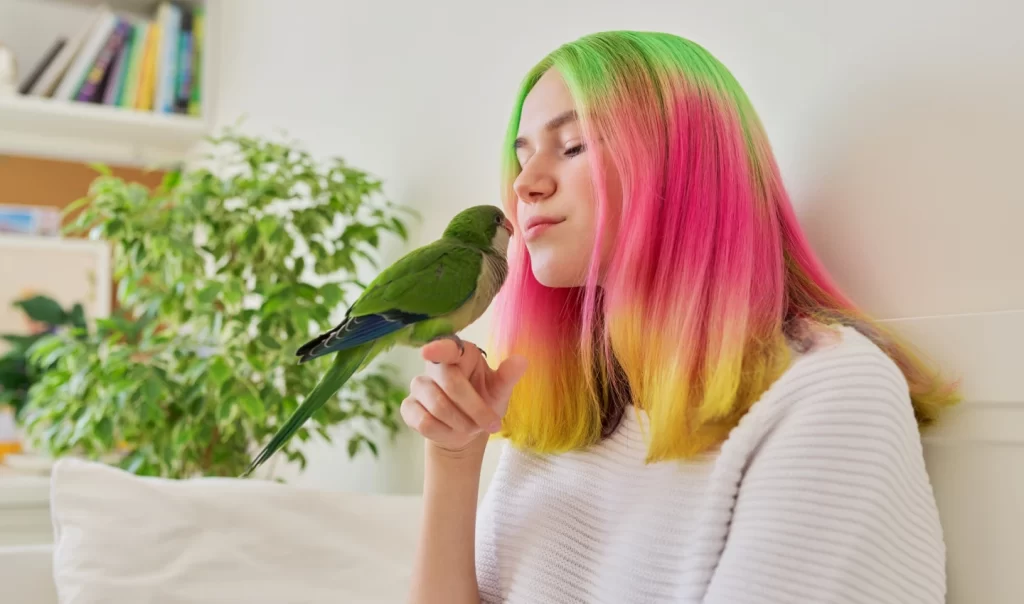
(836, 505)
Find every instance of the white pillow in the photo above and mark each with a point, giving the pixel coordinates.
(124, 539)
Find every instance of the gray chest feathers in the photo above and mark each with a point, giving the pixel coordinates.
(492, 276)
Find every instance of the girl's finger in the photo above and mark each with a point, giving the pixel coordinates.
(441, 351)
(420, 420)
(446, 352)
(460, 391)
(433, 399)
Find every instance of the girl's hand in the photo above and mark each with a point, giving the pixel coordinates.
(459, 399)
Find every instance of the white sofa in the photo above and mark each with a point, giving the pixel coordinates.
(26, 575)
(199, 541)
(119, 538)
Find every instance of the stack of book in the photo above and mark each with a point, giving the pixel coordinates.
(146, 64)
(29, 220)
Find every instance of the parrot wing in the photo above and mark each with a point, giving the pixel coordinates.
(431, 281)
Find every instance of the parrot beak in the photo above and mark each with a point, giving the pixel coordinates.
(508, 226)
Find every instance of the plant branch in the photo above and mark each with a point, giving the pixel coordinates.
(210, 447)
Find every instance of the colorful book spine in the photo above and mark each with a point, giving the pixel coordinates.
(169, 16)
(78, 71)
(118, 70)
(183, 85)
(198, 34)
(148, 71)
(91, 89)
(42, 66)
(130, 86)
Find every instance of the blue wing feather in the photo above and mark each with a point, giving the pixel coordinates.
(354, 331)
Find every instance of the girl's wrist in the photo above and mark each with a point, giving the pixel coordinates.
(472, 453)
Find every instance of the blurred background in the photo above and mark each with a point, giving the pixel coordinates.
(897, 126)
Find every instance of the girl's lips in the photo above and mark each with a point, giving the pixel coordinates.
(536, 228)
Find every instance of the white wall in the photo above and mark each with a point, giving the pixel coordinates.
(897, 126)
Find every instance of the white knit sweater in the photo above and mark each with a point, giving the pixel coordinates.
(819, 495)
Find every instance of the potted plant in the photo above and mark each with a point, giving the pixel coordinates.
(222, 272)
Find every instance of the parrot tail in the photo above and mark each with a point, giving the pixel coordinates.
(346, 362)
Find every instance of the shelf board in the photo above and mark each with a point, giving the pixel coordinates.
(131, 6)
(74, 130)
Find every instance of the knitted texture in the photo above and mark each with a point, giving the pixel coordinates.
(820, 494)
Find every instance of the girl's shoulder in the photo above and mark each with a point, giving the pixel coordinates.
(842, 383)
(828, 352)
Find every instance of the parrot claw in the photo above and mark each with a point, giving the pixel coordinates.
(453, 338)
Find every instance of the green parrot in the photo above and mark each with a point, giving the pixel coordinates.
(432, 292)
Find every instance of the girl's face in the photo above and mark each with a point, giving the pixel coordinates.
(556, 201)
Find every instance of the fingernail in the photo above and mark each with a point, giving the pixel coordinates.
(495, 427)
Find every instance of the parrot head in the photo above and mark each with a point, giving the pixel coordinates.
(481, 226)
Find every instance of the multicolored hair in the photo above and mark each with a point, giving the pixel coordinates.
(711, 279)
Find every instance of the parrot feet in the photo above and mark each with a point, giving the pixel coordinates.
(454, 338)
(459, 343)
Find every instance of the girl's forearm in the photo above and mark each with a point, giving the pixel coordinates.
(445, 565)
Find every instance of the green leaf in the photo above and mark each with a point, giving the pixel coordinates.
(77, 316)
(219, 371)
(20, 344)
(209, 293)
(151, 389)
(226, 388)
(226, 411)
(233, 293)
(305, 291)
(101, 168)
(301, 317)
(399, 228)
(332, 294)
(252, 235)
(182, 435)
(74, 205)
(258, 363)
(170, 180)
(47, 350)
(252, 406)
(353, 446)
(269, 342)
(114, 227)
(43, 309)
(134, 462)
(267, 225)
(273, 305)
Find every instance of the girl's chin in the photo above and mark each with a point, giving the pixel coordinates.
(557, 275)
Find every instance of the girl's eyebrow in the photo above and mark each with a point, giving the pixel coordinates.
(553, 124)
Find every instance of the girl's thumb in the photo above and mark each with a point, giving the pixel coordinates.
(504, 380)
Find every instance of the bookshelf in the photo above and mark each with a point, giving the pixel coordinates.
(108, 127)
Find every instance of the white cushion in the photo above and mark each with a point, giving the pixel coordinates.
(123, 538)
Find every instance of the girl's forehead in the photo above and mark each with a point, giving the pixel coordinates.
(547, 107)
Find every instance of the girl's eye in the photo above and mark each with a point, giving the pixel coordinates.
(574, 150)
